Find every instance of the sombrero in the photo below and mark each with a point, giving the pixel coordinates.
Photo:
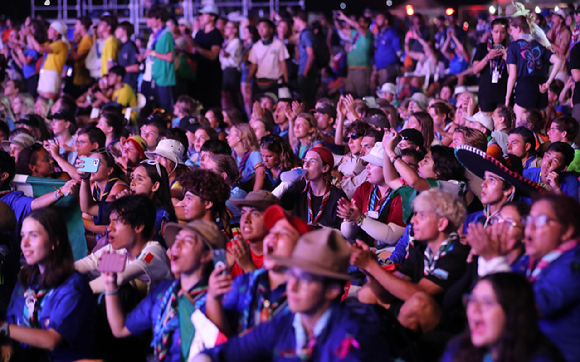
(478, 162)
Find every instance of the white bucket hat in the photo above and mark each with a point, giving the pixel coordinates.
(482, 118)
(170, 149)
(387, 88)
(376, 155)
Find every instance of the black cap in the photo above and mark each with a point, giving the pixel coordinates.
(412, 135)
(31, 120)
(64, 115)
(327, 109)
(190, 124)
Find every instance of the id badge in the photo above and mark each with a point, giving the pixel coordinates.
(373, 214)
(495, 76)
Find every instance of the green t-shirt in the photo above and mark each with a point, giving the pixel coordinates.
(360, 53)
(186, 329)
(575, 165)
(164, 72)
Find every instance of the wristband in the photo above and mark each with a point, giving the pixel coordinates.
(394, 158)
(153, 53)
(113, 292)
(360, 220)
(5, 330)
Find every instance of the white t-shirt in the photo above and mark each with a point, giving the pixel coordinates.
(151, 266)
(234, 49)
(268, 58)
(148, 74)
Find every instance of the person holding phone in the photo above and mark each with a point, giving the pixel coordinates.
(490, 62)
(52, 314)
(166, 311)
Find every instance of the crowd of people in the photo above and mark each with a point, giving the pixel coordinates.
(298, 187)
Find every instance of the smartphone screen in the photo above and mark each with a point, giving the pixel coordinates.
(219, 259)
(112, 263)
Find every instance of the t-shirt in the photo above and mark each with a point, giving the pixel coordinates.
(569, 184)
(307, 40)
(207, 68)
(164, 72)
(532, 58)
(487, 90)
(81, 74)
(234, 49)
(152, 261)
(575, 64)
(295, 199)
(125, 96)
(268, 58)
(258, 261)
(249, 168)
(70, 310)
(128, 56)
(28, 70)
(56, 60)
(387, 44)
(360, 50)
(110, 53)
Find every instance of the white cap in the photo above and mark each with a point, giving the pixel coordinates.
(170, 149)
(209, 9)
(387, 88)
(561, 13)
(460, 89)
(482, 118)
(376, 155)
(284, 92)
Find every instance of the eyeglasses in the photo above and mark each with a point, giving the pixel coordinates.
(153, 162)
(497, 219)
(482, 303)
(538, 221)
(353, 136)
(102, 151)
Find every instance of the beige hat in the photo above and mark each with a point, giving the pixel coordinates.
(321, 252)
(170, 149)
(376, 155)
(208, 232)
(482, 118)
(387, 88)
(516, 9)
(23, 140)
(260, 199)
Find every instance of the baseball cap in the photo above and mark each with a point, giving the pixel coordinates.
(327, 109)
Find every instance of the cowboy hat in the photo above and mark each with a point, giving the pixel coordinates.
(170, 149)
(207, 231)
(260, 199)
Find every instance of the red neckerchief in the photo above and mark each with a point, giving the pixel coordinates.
(314, 221)
(533, 273)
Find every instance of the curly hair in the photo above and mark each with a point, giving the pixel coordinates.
(209, 186)
(444, 205)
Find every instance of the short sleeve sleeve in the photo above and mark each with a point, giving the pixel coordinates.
(85, 45)
(308, 39)
(139, 320)
(575, 57)
(512, 56)
(255, 160)
(480, 52)
(165, 44)
(58, 47)
(252, 56)
(283, 54)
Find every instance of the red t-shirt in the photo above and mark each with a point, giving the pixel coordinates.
(362, 198)
(257, 259)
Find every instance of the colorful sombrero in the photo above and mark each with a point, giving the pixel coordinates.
(478, 162)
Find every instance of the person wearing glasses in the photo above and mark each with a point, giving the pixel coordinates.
(502, 322)
(277, 157)
(35, 161)
(552, 265)
(318, 327)
(350, 165)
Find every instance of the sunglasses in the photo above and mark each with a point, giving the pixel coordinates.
(352, 136)
(153, 163)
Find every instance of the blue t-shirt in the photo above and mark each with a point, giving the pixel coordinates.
(20, 205)
(128, 56)
(70, 310)
(307, 40)
(457, 65)
(387, 45)
(568, 183)
(28, 70)
(532, 58)
(254, 161)
(236, 193)
(162, 217)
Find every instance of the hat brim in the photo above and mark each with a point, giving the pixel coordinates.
(478, 162)
(172, 229)
(6, 145)
(373, 160)
(258, 204)
(310, 267)
(151, 155)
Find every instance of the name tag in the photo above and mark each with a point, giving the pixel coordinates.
(495, 76)
(441, 274)
(373, 214)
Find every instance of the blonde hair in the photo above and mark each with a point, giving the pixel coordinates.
(27, 104)
(313, 136)
(444, 205)
(247, 136)
(5, 102)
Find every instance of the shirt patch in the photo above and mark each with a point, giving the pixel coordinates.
(441, 274)
(148, 258)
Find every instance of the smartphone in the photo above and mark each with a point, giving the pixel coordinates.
(219, 259)
(91, 164)
(112, 263)
(497, 46)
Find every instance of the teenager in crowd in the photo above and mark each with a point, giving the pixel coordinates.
(36, 161)
(200, 137)
(16, 143)
(213, 147)
(422, 122)
(63, 125)
(350, 165)
(112, 125)
(128, 52)
(52, 314)
(316, 275)
(123, 94)
(167, 310)
(132, 154)
(349, 184)
(303, 133)
(522, 144)
(153, 130)
(277, 157)
(245, 146)
(565, 129)
(110, 53)
(169, 153)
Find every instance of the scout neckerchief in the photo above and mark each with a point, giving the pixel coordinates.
(311, 219)
(168, 320)
(377, 203)
(532, 273)
(497, 64)
(243, 161)
(34, 300)
(156, 37)
(430, 258)
(98, 196)
(6, 192)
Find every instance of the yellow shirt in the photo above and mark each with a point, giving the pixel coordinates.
(125, 96)
(110, 52)
(56, 60)
(81, 74)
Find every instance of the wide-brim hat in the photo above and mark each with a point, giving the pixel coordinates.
(260, 199)
(321, 252)
(561, 13)
(170, 149)
(207, 231)
(375, 157)
(23, 140)
(478, 162)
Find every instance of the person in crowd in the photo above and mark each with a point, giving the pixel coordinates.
(123, 94)
(552, 171)
(196, 137)
(351, 165)
(128, 52)
(63, 125)
(169, 153)
(152, 131)
(36, 125)
(484, 122)
(22, 104)
(372, 215)
(489, 62)
(208, 42)
(277, 157)
(280, 119)
(230, 60)
(318, 267)
(111, 123)
(36, 161)
(565, 129)
(132, 154)
(422, 122)
(314, 198)
(559, 34)
(349, 184)
(167, 309)
(326, 117)
(29, 57)
(303, 133)
(56, 54)
(243, 307)
(552, 231)
(214, 147)
(245, 147)
(106, 31)
(522, 144)
(528, 80)
(245, 253)
(268, 61)
(250, 37)
(504, 120)
(535, 121)
(52, 314)
(502, 319)
(130, 230)
(17, 143)
(162, 53)
(81, 75)
(307, 67)
(387, 50)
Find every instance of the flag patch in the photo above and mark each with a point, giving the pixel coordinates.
(148, 258)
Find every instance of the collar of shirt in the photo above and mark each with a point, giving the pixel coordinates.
(300, 332)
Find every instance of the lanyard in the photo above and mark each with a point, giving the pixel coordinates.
(314, 221)
(383, 201)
